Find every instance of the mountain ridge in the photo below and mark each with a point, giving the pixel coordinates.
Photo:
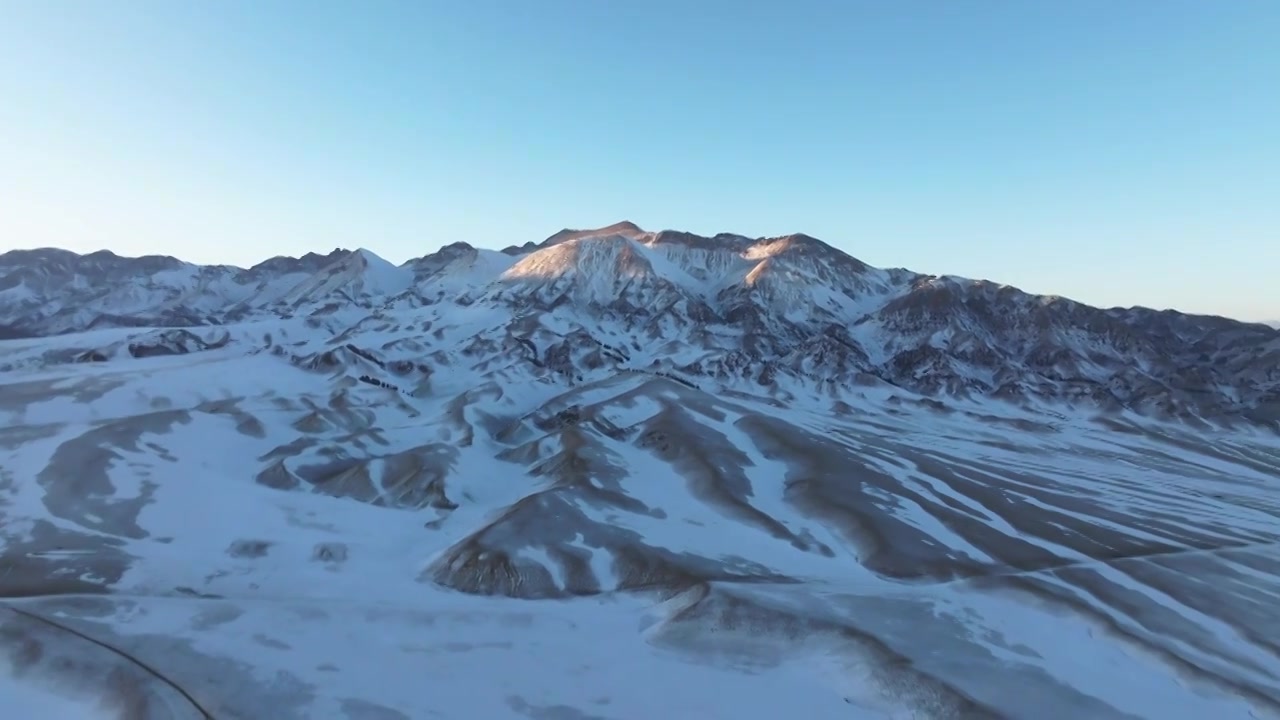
(311, 258)
(776, 311)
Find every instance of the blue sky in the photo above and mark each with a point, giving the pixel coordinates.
(1115, 152)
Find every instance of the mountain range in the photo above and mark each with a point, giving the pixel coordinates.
(774, 311)
(627, 474)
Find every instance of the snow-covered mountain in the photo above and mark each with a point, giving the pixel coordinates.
(774, 312)
(51, 291)
(628, 474)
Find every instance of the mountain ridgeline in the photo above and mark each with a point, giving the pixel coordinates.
(783, 315)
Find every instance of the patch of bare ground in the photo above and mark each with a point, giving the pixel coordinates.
(76, 483)
(413, 479)
(714, 469)
(710, 619)
(491, 561)
(827, 481)
(49, 560)
(1138, 638)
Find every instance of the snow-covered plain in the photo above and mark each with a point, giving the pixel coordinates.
(447, 504)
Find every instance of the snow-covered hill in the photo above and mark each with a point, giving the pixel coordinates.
(625, 474)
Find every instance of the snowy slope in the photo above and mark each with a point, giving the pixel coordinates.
(625, 475)
(357, 277)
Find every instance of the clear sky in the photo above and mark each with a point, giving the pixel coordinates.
(1115, 152)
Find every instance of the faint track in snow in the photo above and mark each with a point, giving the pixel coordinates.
(131, 659)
